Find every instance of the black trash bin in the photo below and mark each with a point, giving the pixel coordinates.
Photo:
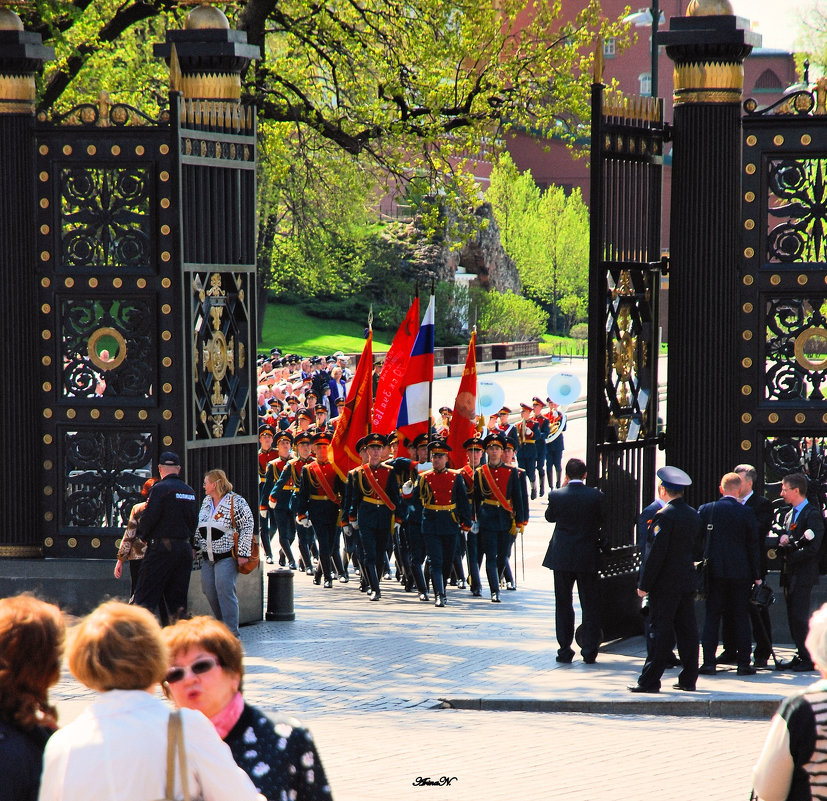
(280, 595)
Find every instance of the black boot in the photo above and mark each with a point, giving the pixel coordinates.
(542, 484)
(373, 577)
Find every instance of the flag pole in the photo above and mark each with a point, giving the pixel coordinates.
(372, 399)
(431, 384)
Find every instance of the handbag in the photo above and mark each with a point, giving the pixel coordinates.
(254, 559)
(175, 746)
(762, 596)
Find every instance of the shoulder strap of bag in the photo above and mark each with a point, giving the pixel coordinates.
(175, 742)
(709, 527)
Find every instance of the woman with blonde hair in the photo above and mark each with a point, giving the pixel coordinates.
(222, 513)
(31, 644)
(118, 651)
(206, 673)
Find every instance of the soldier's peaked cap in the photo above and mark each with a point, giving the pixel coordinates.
(673, 478)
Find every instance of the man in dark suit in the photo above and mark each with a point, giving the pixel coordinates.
(643, 527)
(731, 548)
(579, 512)
(759, 616)
(668, 578)
(799, 546)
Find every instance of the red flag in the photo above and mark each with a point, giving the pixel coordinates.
(388, 395)
(464, 418)
(353, 422)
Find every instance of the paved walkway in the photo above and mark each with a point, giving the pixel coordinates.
(373, 681)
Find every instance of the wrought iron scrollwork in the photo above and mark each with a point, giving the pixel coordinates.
(796, 341)
(798, 194)
(221, 329)
(628, 336)
(105, 218)
(105, 471)
(108, 348)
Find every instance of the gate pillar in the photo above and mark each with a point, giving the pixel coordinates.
(709, 53)
(21, 55)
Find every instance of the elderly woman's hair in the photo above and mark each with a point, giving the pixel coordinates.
(816, 641)
(206, 634)
(31, 645)
(118, 647)
(222, 483)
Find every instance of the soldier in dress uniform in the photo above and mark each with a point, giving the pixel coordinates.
(266, 454)
(554, 443)
(320, 499)
(445, 511)
(541, 433)
(497, 505)
(527, 453)
(506, 543)
(278, 509)
(289, 482)
(413, 513)
(374, 501)
(506, 428)
(473, 448)
(353, 542)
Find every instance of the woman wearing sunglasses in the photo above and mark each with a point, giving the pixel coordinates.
(205, 673)
(117, 747)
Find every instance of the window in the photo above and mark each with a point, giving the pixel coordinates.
(645, 79)
(609, 47)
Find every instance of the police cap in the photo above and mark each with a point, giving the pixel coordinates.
(673, 478)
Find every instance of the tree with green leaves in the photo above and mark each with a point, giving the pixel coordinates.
(355, 97)
(547, 235)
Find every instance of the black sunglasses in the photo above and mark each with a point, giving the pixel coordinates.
(175, 674)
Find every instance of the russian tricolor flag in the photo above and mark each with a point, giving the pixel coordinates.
(414, 413)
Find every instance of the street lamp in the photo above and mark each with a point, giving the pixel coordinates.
(649, 17)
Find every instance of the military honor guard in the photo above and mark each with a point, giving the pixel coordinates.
(541, 433)
(474, 450)
(374, 500)
(320, 499)
(497, 506)
(445, 511)
(527, 431)
(506, 542)
(554, 443)
(289, 483)
(277, 510)
(266, 454)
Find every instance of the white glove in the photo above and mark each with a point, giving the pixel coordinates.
(347, 530)
(306, 522)
(475, 527)
(396, 528)
(271, 503)
(354, 525)
(809, 535)
(263, 513)
(407, 489)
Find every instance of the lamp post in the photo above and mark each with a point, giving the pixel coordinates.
(640, 19)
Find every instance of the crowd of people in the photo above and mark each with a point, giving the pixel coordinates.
(410, 509)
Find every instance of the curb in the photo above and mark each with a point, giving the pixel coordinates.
(744, 709)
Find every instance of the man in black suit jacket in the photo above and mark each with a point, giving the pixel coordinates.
(579, 512)
(668, 578)
(731, 547)
(759, 616)
(799, 546)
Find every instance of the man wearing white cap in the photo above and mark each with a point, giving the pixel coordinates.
(668, 578)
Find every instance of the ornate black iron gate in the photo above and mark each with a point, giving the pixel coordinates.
(625, 270)
(145, 267)
(783, 289)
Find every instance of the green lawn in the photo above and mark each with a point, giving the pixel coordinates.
(292, 331)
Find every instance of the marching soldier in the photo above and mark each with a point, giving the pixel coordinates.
(413, 514)
(320, 498)
(473, 448)
(374, 500)
(505, 427)
(497, 505)
(290, 481)
(506, 543)
(266, 454)
(444, 512)
(554, 443)
(527, 453)
(540, 436)
(279, 508)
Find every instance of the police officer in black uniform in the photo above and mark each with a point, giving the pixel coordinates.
(168, 527)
